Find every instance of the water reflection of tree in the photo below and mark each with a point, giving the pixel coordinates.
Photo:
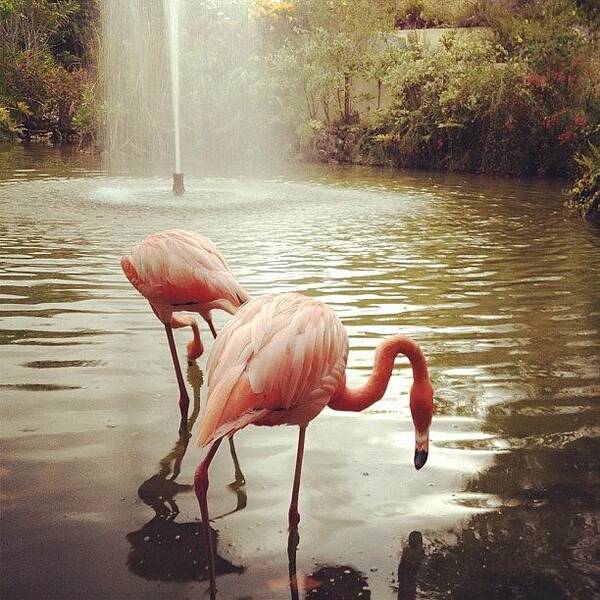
(545, 546)
(162, 549)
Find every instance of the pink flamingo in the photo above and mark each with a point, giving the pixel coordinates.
(179, 270)
(279, 361)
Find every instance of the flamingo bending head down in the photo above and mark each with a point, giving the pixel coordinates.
(178, 270)
(279, 361)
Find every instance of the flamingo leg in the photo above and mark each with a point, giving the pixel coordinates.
(292, 549)
(212, 328)
(201, 489)
(293, 515)
(184, 399)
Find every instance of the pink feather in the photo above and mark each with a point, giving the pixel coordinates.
(278, 361)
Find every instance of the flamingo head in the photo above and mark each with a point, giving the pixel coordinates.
(194, 350)
(421, 408)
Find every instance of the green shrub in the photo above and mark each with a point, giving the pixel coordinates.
(433, 13)
(519, 99)
(470, 104)
(48, 90)
(584, 196)
(42, 73)
(87, 113)
(9, 130)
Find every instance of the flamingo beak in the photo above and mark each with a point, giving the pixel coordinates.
(421, 448)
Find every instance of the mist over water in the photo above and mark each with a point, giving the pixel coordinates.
(216, 109)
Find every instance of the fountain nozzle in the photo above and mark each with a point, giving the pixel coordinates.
(178, 187)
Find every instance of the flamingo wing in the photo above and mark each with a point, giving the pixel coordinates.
(278, 360)
(180, 267)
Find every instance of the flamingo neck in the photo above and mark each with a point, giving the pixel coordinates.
(358, 399)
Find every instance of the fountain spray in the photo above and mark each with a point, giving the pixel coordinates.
(192, 69)
(172, 15)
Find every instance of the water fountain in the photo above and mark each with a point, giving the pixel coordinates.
(171, 8)
(184, 86)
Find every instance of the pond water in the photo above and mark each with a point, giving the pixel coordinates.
(497, 284)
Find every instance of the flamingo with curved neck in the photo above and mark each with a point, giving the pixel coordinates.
(421, 393)
(279, 361)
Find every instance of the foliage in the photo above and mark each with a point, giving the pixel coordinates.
(87, 113)
(74, 44)
(585, 194)
(319, 48)
(519, 98)
(432, 13)
(48, 90)
(590, 11)
(29, 24)
(471, 105)
(9, 130)
(42, 49)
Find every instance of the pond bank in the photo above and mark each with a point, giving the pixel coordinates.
(360, 145)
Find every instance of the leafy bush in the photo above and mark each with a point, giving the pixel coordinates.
(469, 105)
(49, 91)
(9, 130)
(520, 98)
(318, 50)
(433, 13)
(585, 194)
(42, 79)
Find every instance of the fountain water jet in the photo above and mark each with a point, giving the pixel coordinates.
(171, 8)
(214, 114)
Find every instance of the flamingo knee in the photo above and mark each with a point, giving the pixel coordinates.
(201, 480)
(293, 518)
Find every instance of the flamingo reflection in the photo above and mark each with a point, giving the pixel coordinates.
(163, 549)
(159, 490)
(340, 582)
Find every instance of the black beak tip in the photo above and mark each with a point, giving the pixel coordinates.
(420, 458)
